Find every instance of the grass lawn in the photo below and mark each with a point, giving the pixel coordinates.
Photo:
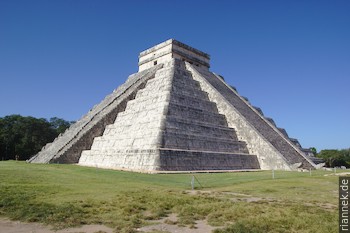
(70, 195)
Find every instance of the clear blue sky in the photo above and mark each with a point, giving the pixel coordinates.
(291, 58)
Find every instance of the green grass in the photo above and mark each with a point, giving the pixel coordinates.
(69, 195)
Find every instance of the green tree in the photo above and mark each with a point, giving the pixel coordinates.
(335, 158)
(313, 150)
(25, 136)
(59, 124)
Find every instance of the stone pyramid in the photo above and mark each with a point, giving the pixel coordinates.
(175, 115)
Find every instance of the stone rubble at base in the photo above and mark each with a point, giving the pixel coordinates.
(175, 115)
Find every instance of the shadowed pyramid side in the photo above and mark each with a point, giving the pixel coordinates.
(273, 148)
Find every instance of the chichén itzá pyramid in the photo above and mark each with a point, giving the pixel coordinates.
(176, 115)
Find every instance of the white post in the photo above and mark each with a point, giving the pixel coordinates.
(192, 182)
(310, 171)
(273, 173)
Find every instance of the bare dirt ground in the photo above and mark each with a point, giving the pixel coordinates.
(339, 174)
(8, 226)
(167, 224)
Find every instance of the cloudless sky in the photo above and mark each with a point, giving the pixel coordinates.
(290, 58)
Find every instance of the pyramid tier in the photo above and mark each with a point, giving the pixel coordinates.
(144, 102)
(182, 160)
(176, 98)
(198, 114)
(194, 102)
(200, 128)
(177, 140)
(194, 91)
(138, 160)
(170, 160)
(149, 114)
(177, 88)
(103, 144)
(179, 76)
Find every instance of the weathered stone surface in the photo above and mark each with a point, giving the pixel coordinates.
(175, 115)
(180, 160)
(171, 49)
(174, 119)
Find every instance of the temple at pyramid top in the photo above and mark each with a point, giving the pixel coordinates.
(171, 49)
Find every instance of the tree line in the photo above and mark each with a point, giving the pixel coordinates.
(21, 137)
(335, 158)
